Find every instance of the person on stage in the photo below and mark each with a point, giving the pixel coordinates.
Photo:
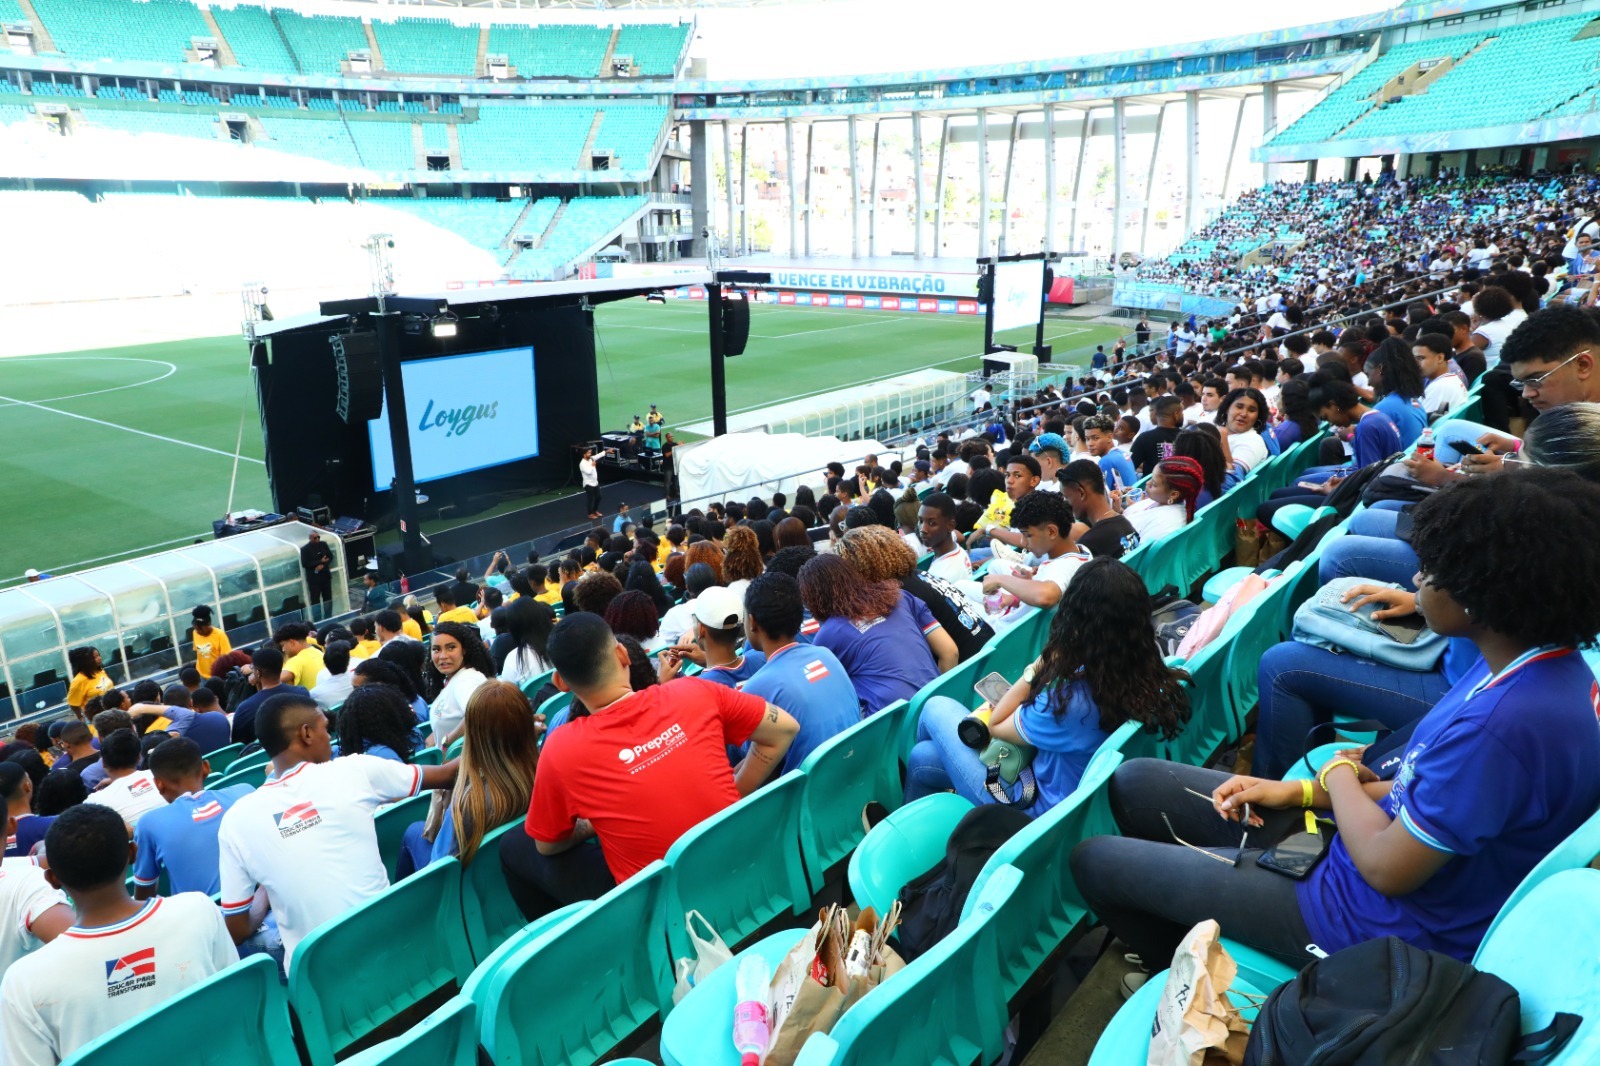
(591, 482)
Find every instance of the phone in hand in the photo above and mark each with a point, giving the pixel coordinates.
(1467, 448)
(992, 687)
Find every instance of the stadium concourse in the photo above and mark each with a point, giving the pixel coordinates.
(1273, 631)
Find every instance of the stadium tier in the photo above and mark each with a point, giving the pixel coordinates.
(158, 30)
(584, 224)
(655, 50)
(320, 43)
(556, 51)
(546, 138)
(256, 38)
(427, 46)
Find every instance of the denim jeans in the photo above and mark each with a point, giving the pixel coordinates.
(939, 761)
(416, 851)
(1150, 890)
(1377, 558)
(1304, 686)
(266, 941)
(1452, 430)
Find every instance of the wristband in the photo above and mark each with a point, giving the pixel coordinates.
(1322, 778)
(1306, 793)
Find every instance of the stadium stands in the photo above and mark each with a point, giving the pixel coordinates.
(327, 139)
(655, 49)
(630, 134)
(176, 125)
(384, 145)
(511, 138)
(257, 41)
(320, 42)
(584, 223)
(554, 51)
(157, 30)
(485, 223)
(427, 46)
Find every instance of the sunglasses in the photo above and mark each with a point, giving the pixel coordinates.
(1238, 855)
(1536, 381)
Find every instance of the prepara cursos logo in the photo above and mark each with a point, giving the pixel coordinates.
(456, 421)
(626, 755)
(673, 734)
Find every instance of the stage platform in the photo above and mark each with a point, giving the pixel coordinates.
(551, 523)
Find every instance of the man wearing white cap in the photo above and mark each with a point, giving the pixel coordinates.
(34, 575)
(718, 618)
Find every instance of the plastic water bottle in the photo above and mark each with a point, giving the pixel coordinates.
(751, 1021)
(1425, 445)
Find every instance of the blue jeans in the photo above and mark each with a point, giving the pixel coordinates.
(266, 941)
(1377, 558)
(1303, 686)
(939, 761)
(416, 851)
(1451, 430)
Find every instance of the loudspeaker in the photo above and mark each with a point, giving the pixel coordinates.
(735, 322)
(360, 376)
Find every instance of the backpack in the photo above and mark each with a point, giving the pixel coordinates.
(236, 688)
(930, 905)
(1323, 621)
(1385, 1001)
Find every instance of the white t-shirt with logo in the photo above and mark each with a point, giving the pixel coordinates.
(954, 565)
(130, 796)
(24, 896)
(87, 982)
(1443, 394)
(308, 839)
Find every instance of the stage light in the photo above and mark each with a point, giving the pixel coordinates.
(445, 325)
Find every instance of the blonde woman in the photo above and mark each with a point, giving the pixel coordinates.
(878, 553)
(741, 560)
(495, 781)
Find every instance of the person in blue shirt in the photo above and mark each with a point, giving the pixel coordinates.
(1375, 439)
(180, 839)
(807, 681)
(1099, 435)
(1496, 775)
(1100, 667)
(718, 614)
(1396, 380)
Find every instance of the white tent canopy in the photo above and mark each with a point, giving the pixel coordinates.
(757, 463)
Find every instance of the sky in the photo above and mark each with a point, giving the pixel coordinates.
(827, 37)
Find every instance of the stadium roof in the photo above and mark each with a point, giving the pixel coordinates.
(578, 5)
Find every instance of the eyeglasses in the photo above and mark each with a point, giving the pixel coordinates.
(1536, 381)
(1238, 856)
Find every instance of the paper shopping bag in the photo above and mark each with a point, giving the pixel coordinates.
(809, 987)
(1194, 1017)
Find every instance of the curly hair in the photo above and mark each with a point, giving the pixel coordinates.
(790, 560)
(1206, 449)
(594, 592)
(1040, 508)
(1294, 397)
(1244, 394)
(741, 559)
(377, 714)
(474, 656)
(705, 551)
(878, 554)
(81, 660)
(1533, 597)
(672, 570)
(832, 588)
(1102, 637)
(380, 671)
(633, 614)
(1397, 368)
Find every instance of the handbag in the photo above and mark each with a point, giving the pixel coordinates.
(710, 952)
(1006, 764)
(1324, 621)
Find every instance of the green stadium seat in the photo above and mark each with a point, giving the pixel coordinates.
(957, 684)
(222, 758)
(902, 847)
(427, 757)
(356, 972)
(842, 776)
(536, 1011)
(477, 984)
(392, 822)
(741, 867)
(238, 1016)
(487, 909)
(1126, 1041)
(254, 776)
(690, 1034)
(447, 1037)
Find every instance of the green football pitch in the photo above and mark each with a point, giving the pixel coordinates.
(117, 452)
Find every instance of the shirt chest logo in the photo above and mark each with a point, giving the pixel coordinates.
(640, 756)
(131, 972)
(297, 819)
(207, 811)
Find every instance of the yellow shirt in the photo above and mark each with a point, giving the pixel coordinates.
(82, 688)
(409, 627)
(209, 648)
(366, 649)
(459, 614)
(550, 595)
(304, 665)
(998, 512)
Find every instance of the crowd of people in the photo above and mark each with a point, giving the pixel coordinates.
(608, 701)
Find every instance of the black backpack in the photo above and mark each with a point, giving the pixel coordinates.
(236, 688)
(930, 905)
(1384, 1002)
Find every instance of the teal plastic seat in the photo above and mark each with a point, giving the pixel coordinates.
(487, 909)
(1210, 722)
(1250, 631)
(842, 776)
(363, 968)
(238, 1016)
(578, 990)
(259, 757)
(741, 867)
(253, 775)
(1575, 852)
(424, 730)
(1047, 905)
(1014, 650)
(223, 758)
(477, 985)
(944, 1009)
(559, 702)
(1548, 948)
(447, 1037)
(699, 1030)
(1218, 584)
(1292, 519)
(903, 846)
(532, 685)
(957, 684)
(454, 751)
(392, 823)
(1126, 1041)
(427, 757)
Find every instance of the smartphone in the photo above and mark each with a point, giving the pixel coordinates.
(1467, 448)
(992, 687)
(1295, 856)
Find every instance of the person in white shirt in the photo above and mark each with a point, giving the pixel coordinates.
(120, 959)
(1442, 391)
(128, 790)
(936, 526)
(1168, 504)
(457, 665)
(306, 837)
(1045, 520)
(32, 911)
(528, 622)
(1243, 417)
(334, 680)
(590, 477)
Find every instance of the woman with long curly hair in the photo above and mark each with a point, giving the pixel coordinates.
(708, 552)
(1100, 667)
(458, 663)
(1396, 381)
(377, 719)
(632, 614)
(881, 554)
(495, 782)
(741, 559)
(888, 641)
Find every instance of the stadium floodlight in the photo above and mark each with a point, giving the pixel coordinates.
(445, 325)
(380, 265)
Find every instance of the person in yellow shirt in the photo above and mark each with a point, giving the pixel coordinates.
(367, 643)
(539, 578)
(450, 610)
(301, 659)
(210, 642)
(89, 677)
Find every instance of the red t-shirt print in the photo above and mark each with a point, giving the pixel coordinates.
(644, 771)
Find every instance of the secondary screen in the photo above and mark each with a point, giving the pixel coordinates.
(1018, 294)
(467, 412)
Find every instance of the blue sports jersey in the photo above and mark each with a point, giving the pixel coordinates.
(1116, 464)
(1407, 415)
(1497, 774)
(1065, 743)
(812, 686)
(735, 675)
(1376, 438)
(887, 658)
(182, 839)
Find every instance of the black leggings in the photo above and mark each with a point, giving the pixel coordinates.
(591, 497)
(1150, 890)
(543, 883)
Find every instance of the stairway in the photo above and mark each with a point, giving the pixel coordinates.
(480, 66)
(419, 152)
(372, 45)
(587, 156)
(516, 227)
(611, 50)
(225, 56)
(42, 41)
(555, 220)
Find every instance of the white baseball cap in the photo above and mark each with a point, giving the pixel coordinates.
(719, 607)
(30, 573)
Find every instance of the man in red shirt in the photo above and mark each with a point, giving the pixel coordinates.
(635, 774)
